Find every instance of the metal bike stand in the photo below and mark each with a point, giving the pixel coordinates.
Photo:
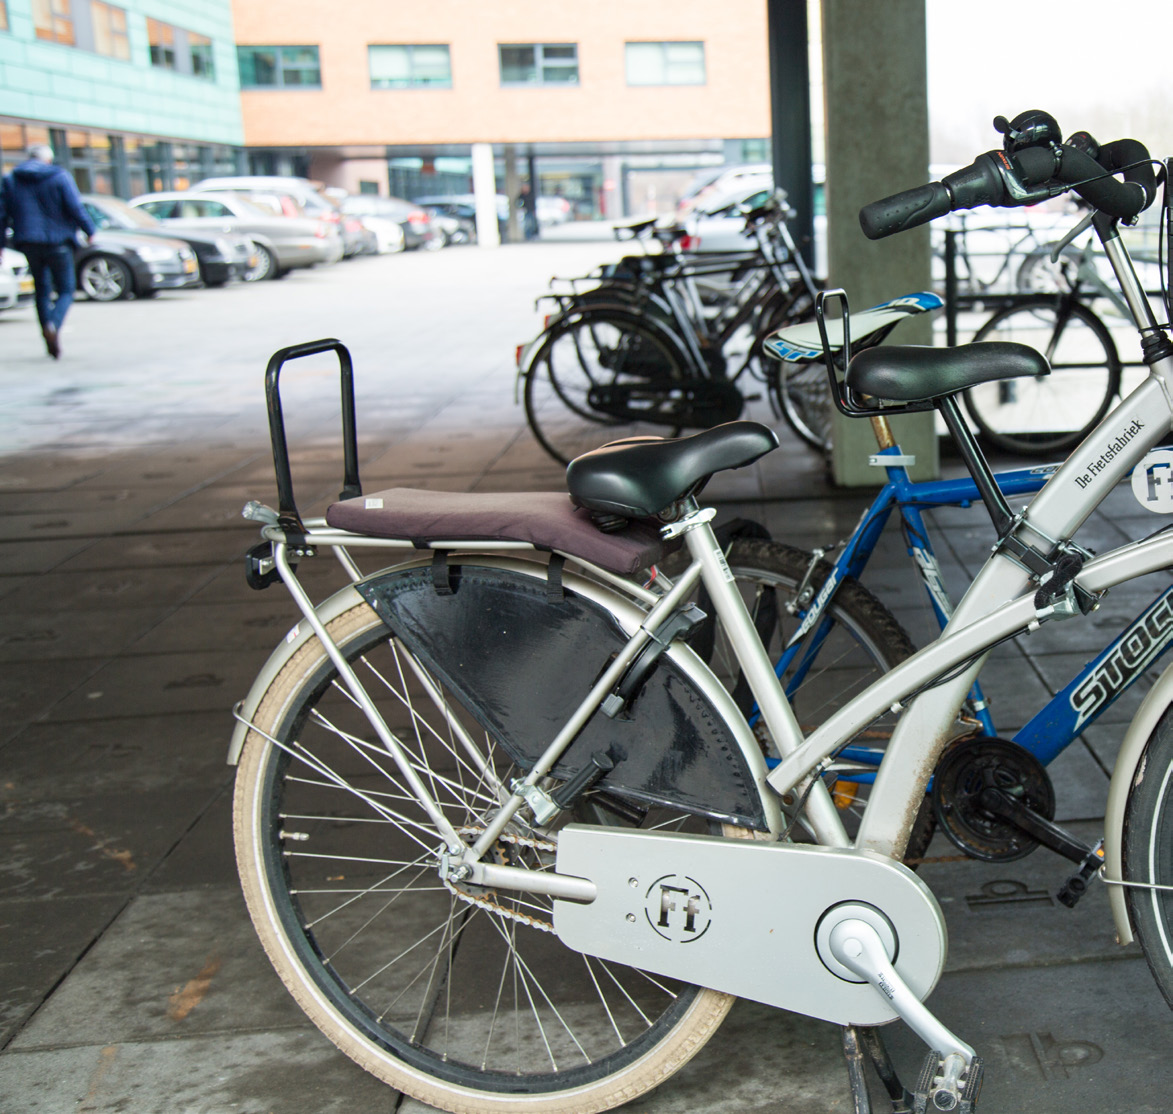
(859, 1041)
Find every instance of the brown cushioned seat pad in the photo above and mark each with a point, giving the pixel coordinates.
(546, 519)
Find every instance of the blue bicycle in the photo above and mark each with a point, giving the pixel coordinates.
(831, 637)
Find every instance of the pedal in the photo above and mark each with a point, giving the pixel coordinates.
(1076, 886)
(856, 942)
(947, 1083)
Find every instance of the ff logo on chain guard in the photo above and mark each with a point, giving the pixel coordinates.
(678, 908)
(1152, 481)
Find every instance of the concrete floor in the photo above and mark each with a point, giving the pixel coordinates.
(130, 977)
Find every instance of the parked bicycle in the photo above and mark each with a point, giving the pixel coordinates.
(638, 350)
(488, 799)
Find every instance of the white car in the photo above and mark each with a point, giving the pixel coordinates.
(16, 282)
(717, 223)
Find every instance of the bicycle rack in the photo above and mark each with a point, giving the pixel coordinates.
(288, 516)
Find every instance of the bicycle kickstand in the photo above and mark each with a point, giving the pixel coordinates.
(933, 1092)
(858, 1042)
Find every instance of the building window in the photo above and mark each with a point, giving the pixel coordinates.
(161, 37)
(665, 63)
(538, 63)
(410, 67)
(109, 25)
(279, 67)
(202, 63)
(53, 20)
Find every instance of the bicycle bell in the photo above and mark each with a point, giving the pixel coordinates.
(1033, 128)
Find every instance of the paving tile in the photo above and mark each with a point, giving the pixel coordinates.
(131, 754)
(253, 1073)
(154, 684)
(205, 856)
(115, 588)
(34, 636)
(174, 549)
(1006, 914)
(40, 941)
(38, 555)
(30, 689)
(173, 965)
(102, 845)
(1094, 1036)
(257, 623)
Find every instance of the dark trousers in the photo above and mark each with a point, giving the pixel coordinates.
(54, 280)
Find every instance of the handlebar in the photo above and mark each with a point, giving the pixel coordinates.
(1029, 175)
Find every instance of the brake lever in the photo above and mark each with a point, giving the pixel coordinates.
(1084, 224)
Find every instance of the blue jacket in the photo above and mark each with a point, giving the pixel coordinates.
(41, 205)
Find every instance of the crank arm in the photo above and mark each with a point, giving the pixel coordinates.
(858, 946)
(1049, 834)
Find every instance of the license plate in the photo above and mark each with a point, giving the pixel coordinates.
(189, 265)
(26, 285)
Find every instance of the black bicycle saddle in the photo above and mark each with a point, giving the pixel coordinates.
(642, 476)
(912, 373)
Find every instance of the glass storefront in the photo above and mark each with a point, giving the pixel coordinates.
(119, 165)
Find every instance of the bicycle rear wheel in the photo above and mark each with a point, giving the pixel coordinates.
(1047, 414)
(1148, 854)
(602, 376)
(461, 997)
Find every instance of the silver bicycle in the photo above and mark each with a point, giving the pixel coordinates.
(511, 844)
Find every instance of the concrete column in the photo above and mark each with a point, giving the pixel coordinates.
(484, 188)
(512, 189)
(874, 72)
(612, 192)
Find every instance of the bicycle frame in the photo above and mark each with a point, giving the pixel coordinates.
(1092, 690)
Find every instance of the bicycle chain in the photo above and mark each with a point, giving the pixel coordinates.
(487, 903)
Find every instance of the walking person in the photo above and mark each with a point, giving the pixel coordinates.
(40, 203)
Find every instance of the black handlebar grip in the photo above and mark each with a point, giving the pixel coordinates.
(904, 210)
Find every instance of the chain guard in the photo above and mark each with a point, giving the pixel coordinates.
(970, 766)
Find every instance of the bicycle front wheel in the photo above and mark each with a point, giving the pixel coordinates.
(1047, 414)
(459, 996)
(602, 376)
(804, 397)
(1148, 854)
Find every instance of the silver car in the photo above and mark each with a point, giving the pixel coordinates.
(282, 243)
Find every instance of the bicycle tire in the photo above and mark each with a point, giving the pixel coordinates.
(1147, 853)
(1038, 275)
(338, 867)
(865, 641)
(801, 392)
(1048, 414)
(600, 348)
(803, 396)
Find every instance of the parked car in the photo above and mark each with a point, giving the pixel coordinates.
(415, 221)
(221, 256)
(383, 225)
(308, 195)
(718, 224)
(552, 209)
(280, 243)
(716, 181)
(455, 219)
(120, 264)
(463, 206)
(16, 282)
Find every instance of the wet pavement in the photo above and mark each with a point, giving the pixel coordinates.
(130, 977)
